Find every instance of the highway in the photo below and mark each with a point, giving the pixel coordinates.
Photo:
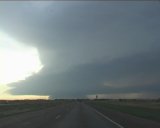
(75, 115)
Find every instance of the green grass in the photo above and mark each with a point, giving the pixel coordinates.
(8, 110)
(145, 110)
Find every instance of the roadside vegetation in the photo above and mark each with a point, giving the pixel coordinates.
(149, 109)
(21, 106)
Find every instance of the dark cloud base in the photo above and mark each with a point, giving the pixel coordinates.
(87, 47)
(86, 79)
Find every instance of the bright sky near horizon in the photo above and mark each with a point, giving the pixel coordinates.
(17, 62)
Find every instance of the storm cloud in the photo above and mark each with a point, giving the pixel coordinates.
(138, 73)
(89, 47)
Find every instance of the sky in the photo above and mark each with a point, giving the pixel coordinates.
(78, 49)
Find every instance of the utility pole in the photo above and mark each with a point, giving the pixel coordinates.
(96, 97)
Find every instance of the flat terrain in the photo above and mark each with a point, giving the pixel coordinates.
(131, 113)
(12, 108)
(72, 115)
(77, 114)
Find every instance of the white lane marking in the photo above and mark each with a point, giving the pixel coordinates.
(107, 118)
(58, 116)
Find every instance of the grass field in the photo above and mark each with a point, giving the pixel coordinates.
(20, 107)
(145, 109)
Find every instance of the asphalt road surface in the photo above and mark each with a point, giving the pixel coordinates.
(75, 115)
